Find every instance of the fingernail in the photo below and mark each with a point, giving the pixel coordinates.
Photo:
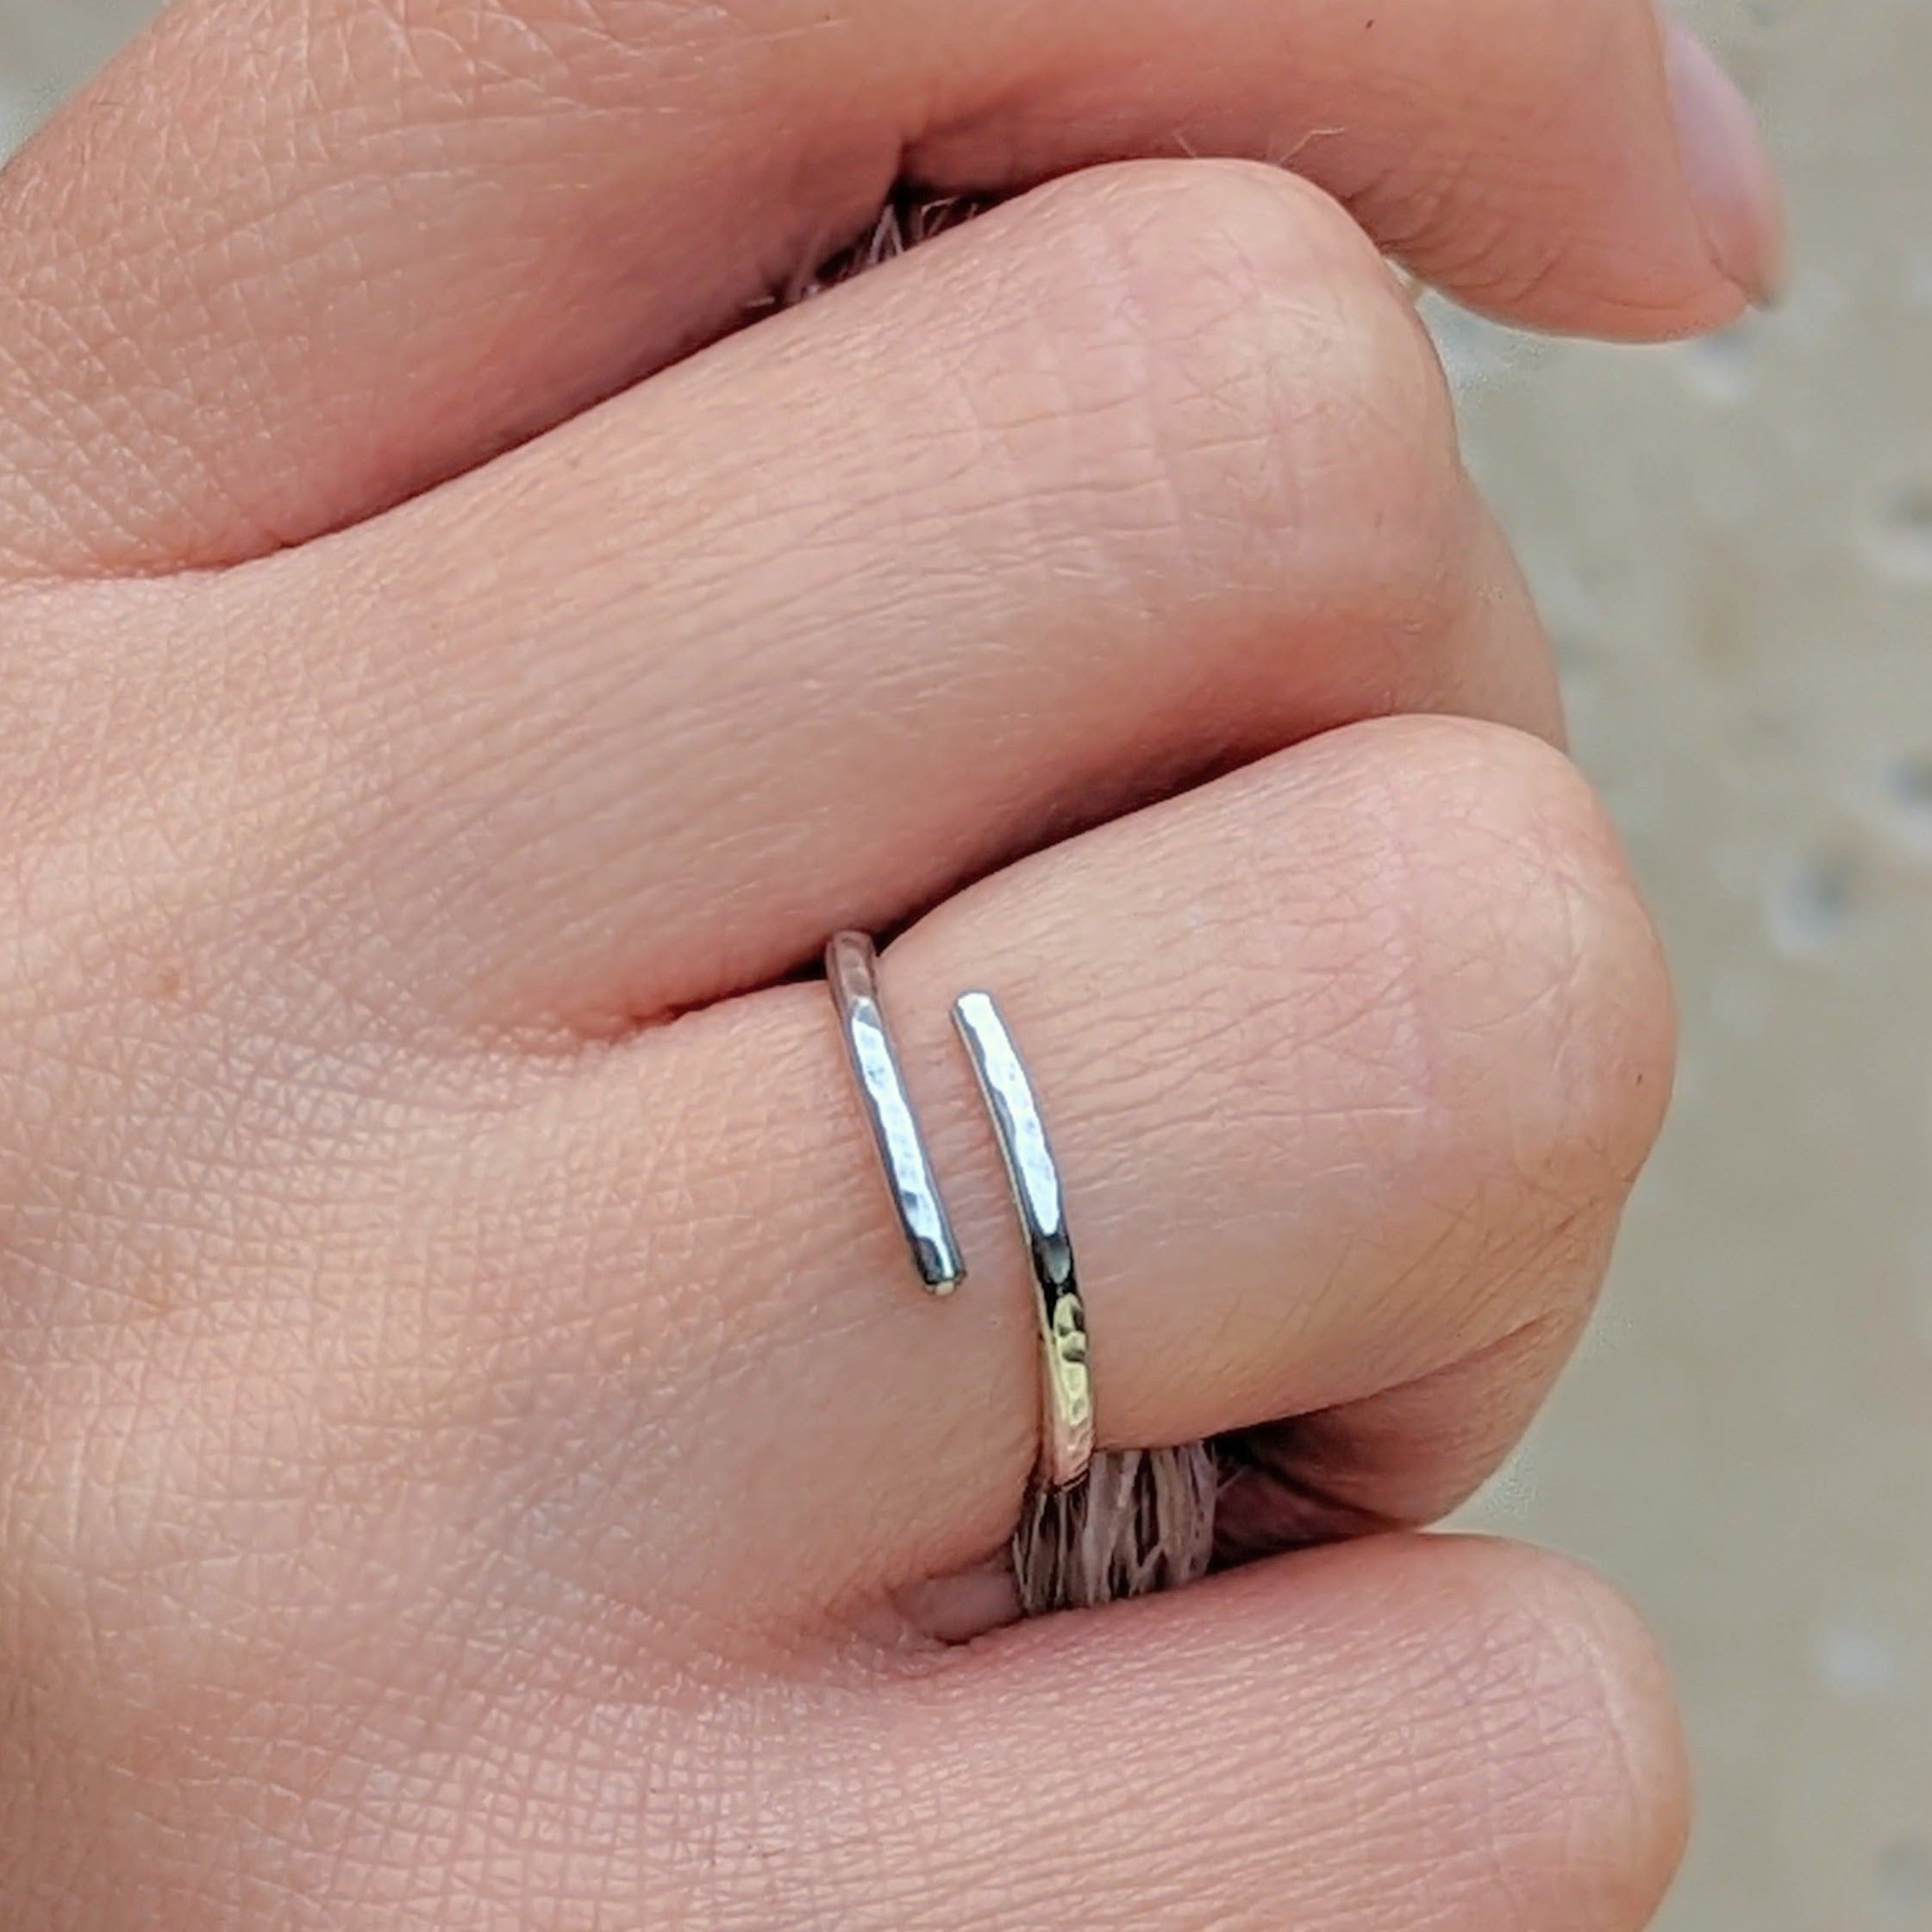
(1731, 178)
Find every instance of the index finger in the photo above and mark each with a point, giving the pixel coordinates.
(292, 260)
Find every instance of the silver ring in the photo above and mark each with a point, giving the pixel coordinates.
(1066, 1381)
(1093, 1528)
(852, 972)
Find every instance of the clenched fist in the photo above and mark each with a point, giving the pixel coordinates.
(472, 1457)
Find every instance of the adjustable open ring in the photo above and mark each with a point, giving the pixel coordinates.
(1093, 1528)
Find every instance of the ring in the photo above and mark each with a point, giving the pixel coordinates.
(1066, 1395)
(1093, 1528)
(852, 972)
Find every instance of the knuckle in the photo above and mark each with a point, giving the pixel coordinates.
(1540, 973)
(1281, 388)
(1565, 1698)
(1613, 1016)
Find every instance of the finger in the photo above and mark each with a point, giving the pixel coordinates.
(1348, 1060)
(1437, 1734)
(1150, 474)
(292, 262)
(1401, 1458)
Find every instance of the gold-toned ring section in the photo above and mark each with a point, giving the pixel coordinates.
(852, 972)
(1066, 1404)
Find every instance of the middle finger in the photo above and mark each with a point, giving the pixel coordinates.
(1146, 476)
(1348, 1060)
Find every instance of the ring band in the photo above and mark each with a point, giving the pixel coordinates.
(1066, 1402)
(1094, 1528)
(852, 972)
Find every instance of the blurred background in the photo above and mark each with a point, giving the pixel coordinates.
(1732, 545)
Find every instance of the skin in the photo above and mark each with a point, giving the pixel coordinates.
(471, 1454)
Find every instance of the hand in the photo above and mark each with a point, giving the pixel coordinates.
(473, 1455)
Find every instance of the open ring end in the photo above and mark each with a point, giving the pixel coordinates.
(1066, 1389)
(852, 972)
